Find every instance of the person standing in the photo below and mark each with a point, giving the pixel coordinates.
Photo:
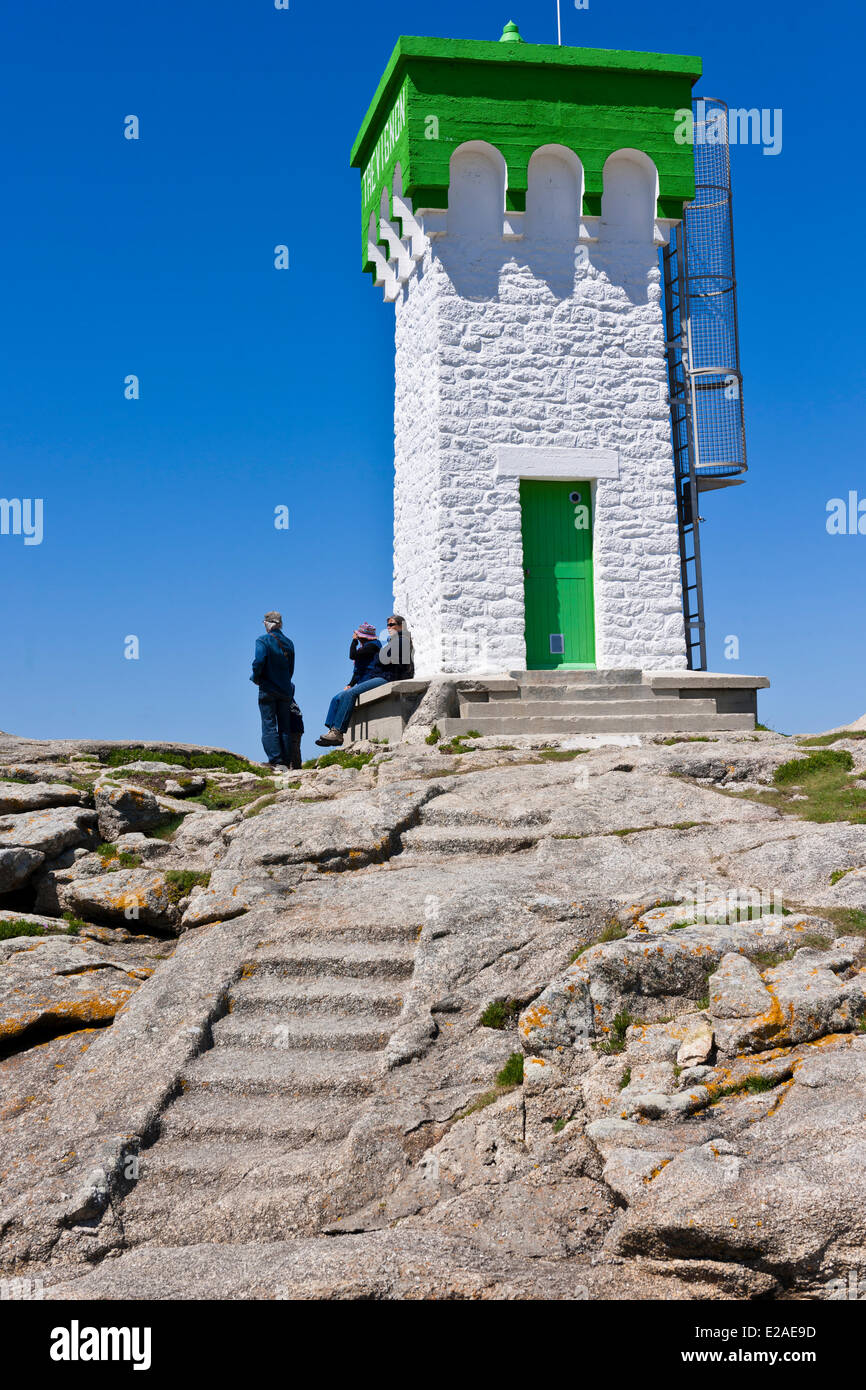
(366, 674)
(297, 732)
(273, 669)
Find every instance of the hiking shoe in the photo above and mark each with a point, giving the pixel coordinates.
(332, 739)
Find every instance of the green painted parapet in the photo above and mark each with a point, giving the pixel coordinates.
(435, 94)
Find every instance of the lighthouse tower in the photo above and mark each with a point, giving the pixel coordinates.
(515, 197)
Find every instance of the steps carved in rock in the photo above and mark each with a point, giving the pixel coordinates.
(251, 1147)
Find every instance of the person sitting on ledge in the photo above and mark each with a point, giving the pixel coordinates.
(397, 657)
(366, 675)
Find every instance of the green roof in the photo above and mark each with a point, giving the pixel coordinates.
(437, 93)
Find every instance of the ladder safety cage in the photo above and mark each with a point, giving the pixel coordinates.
(703, 354)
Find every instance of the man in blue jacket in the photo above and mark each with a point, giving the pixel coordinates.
(273, 668)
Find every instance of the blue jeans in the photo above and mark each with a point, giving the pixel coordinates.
(339, 714)
(276, 728)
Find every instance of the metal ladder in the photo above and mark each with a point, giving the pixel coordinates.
(703, 355)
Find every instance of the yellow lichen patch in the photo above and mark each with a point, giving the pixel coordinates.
(87, 1008)
(651, 1177)
(723, 1081)
(830, 1039)
(771, 1025)
(125, 900)
(536, 1016)
(783, 1090)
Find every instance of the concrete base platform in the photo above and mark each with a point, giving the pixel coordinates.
(569, 702)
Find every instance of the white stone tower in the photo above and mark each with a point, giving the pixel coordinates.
(515, 199)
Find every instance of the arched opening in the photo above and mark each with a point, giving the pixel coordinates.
(628, 204)
(554, 195)
(476, 190)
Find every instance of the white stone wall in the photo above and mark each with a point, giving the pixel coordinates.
(527, 343)
(417, 500)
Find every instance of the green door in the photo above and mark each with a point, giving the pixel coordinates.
(557, 568)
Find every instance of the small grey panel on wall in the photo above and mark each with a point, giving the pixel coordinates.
(521, 461)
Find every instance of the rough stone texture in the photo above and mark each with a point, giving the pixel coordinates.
(126, 808)
(776, 1179)
(190, 786)
(736, 989)
(35, 796)
(301, 1100)
(797, 1001)
(399, 1265)
(50, 831)
(438, 702)
(352, 831)
(227, 895)
(199, 839)
(56, 981)
(98, 1115)
(126, 895)
(53, 877)
(696, 1046)
(646, 977)
(528, 349)
(16, 866)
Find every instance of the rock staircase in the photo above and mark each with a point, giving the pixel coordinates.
(595, 702)
(252, 1146)
(447, 827)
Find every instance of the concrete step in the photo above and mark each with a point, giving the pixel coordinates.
(265, 1163)
(199, 1114)
(243, 1071)
(386, 960)
(625, 675)
(277, 1028)
(460, 839)
(337, 995)
(658, 708)
(578, 723)
(569, 691)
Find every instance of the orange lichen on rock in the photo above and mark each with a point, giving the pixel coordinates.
(650, 1177)
(536, 1016)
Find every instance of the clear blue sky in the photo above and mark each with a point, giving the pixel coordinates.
(261, 388)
